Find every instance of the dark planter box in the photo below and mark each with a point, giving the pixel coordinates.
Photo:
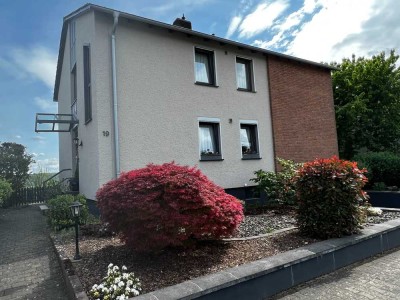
(384, 199)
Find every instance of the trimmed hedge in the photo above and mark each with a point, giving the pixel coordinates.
(59, 214)
(329, 197)
(381, 167)
(5, 190)
(167, 205)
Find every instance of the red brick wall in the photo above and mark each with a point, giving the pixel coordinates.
(303, 117)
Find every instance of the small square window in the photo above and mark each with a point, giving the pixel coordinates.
(204, 67)
(249, 141)
(244, 76)
(209, 141)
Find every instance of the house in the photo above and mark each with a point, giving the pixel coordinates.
(133, 91)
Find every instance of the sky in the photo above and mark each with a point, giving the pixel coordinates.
(317, 30)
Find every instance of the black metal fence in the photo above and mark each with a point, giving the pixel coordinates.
(32, 195)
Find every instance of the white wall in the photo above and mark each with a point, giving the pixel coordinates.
(160, 104)
(64, 107)
(87, 133)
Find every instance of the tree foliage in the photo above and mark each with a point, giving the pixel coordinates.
(367, 103)
(14, 164)
(167, 205)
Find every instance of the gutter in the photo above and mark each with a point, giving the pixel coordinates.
(115, 97)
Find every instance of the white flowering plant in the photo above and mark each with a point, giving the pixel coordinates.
(117, 285)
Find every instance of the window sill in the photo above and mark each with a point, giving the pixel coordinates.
(245, 90)
(251, 156)
(211, 158)
(206, 84)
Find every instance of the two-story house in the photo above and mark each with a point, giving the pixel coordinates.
(133, 91)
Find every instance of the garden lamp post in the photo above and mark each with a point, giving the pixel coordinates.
(75, 212)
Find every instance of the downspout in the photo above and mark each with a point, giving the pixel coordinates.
(115, 97)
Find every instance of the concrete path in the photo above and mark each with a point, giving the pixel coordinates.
(28, 266)
(377, 278)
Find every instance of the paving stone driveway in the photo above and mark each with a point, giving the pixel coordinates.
(377, 278)
(28, 266)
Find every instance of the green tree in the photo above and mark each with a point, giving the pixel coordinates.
(14, 164)
(367, 103)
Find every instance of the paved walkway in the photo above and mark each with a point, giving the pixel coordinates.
(28, 266)
(377, 278)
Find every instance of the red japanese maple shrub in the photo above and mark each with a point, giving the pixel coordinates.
(167, 205)
(329, 197)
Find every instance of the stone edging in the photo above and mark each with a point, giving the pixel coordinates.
(260, 235)
(74, 286)
(263, 278)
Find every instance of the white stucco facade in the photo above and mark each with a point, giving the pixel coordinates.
(159, 104)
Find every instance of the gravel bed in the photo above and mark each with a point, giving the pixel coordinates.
(386, 216)
(270, 221)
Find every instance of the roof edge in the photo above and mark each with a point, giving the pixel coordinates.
(85, 8)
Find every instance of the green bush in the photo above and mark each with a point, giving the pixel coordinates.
(59, 214)
(329, 197)
(279, 186)
(381, 166)
(5, 190)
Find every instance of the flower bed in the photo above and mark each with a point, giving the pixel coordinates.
(172, 266)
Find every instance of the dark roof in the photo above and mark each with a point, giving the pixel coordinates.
(87, 7)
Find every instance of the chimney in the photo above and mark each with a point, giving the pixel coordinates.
(182, 22)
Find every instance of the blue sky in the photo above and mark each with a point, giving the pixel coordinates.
(318, 30)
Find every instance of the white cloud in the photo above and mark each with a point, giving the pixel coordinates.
(233, 25)
(181, 5)
(286, 28)
(329, 27)
(18, 137)
(39, 139)
(50, 165)
(37, 62)
(45, 105)
(262, 18)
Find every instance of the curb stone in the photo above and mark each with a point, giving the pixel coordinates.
(74, 286)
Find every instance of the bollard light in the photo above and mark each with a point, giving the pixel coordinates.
(75, 212)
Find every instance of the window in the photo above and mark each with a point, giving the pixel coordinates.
(244, 76)
(204, 67)
(209, 141)
(74, 91)
(74, 95)
(87, 84)
(72, 41)
(249, 141)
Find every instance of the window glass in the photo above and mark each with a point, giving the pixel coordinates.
(204, 66)
(207, 139)
(248, 139)
(243, 74)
